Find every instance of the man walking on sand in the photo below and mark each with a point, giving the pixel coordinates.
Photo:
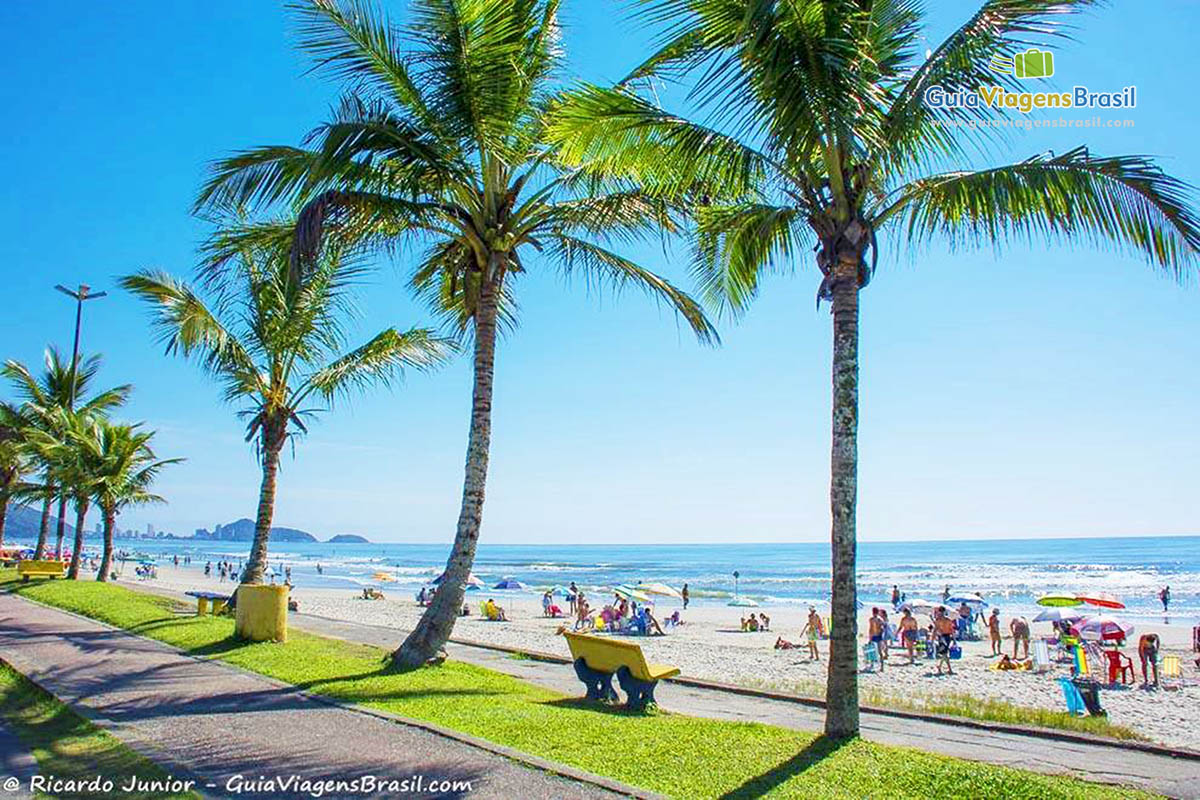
(684, 594)
(943, 626)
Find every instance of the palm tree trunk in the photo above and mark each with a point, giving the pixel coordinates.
(81, 509)
(273, 439)
(435, 625)
(3, 516)
(62, 525)
(43, 532)
(841, 690)
(110, 520)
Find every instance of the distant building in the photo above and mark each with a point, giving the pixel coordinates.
(149, 531)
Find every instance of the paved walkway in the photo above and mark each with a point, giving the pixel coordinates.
(1096, 762)
(15, 762)
(209, 721)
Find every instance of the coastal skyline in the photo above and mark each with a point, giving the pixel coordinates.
(1032, 393)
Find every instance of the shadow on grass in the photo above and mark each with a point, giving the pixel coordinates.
(595, 706)
(817, 751)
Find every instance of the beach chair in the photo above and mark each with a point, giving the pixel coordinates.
(1120, 667)
(1169, 670)
(1073, 698)
(1041, 656)
(1079, 668)
(871, 656)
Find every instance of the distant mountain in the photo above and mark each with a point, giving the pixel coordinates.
(243, 531)
(24, 522)
(348, 538)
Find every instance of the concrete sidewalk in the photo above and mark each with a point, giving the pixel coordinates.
(212, 722)
(1174, 777)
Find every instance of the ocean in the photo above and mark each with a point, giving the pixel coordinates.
(1009, 573)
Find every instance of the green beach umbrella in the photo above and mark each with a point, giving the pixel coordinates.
(1059, 600)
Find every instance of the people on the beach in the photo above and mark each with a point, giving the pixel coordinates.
(493, 611)
(572, 596)
(946, 594)
(908, 634)
(875, 628)
(547, 600)
(994, 631)
(684, 593)
(1148, 654)
(1165, 597)
(944, 628)
(1019, 626)
(895, 596)
(811, 632)
(784, 644)
(750, 623)
(764, 622)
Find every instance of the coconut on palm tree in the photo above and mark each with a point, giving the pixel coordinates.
(818, 138)
(275, 338)
(60, 386)
(123, 468)
(440, 141)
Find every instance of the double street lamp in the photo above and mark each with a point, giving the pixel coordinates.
(81, 296)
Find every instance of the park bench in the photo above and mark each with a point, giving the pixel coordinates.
(219, 602)
(40, 569)
(598, 659)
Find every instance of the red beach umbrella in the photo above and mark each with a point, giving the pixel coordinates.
(1103, 627)
(1100, 599)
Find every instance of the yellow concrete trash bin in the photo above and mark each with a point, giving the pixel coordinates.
(262, 613)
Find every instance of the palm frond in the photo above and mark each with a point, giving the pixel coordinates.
(382, 359)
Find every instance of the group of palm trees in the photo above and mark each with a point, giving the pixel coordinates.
(459, 146)
(58, 445)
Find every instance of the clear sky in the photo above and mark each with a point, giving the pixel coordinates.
(1041, 391)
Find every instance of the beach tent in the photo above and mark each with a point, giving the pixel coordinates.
(1100, 599)
(1102, 626)
(659, 588)
(1059, 600)
(1058, 615)
(510, 583)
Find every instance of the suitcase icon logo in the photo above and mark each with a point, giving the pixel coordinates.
(1033, 63)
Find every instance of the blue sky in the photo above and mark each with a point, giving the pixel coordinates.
(1039, 391)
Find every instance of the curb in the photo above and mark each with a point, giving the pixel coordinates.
(534, 762)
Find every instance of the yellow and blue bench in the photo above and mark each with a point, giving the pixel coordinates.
(219, 601)
(40, 569)
(598, 659)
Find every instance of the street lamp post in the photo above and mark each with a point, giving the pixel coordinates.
(80, 297)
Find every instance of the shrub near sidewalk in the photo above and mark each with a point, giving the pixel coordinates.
(677, 755)
(70, 748)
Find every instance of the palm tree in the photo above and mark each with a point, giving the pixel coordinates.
(820, 137)
(273, 338)
(55, 388)
(439, 140)
(123, 467)
(15, 459)
(65, 447)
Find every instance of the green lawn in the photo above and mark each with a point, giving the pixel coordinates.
(677, 755)
(69, 747)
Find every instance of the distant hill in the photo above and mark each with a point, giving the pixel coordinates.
(243, 531)
(24, 521)
(349, 538)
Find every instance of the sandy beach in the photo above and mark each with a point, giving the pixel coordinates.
(710, 645)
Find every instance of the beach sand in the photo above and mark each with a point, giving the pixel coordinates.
(710, 646)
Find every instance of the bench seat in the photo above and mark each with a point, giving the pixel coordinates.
(35, 569)
(598, 659)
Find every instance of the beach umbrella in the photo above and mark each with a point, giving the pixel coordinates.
(1059, 600)
(1100, 599)
(629, 593)
(1057, 615)
(972, 599)
(510, 583)
(917, 604)
(659, 588)
(1102, 626)
(473, 582)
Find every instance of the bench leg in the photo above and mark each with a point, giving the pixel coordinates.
(640, 693)
(599, 684)
(201, 606)
(218, 607)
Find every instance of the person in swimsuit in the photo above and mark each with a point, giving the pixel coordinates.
(875, 634)
(1020, 633)
(1148, 653)
(944, 628)
(812, 630)
(994, 631)
(908, 635)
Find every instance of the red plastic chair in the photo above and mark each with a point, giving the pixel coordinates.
(1120, 666)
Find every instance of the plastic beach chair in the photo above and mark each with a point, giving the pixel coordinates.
(1120, 667)
(1041, 656)
(1074, 699)
(1080, 667)
(1170, 670)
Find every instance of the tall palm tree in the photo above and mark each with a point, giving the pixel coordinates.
(819, 136)
(16, 458)
(274, 338)
(439, 140)
(53, 389)
(123, 467)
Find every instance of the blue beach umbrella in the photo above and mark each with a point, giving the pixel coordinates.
(510, 583)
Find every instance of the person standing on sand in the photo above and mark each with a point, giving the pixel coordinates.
(895, 596)
(944, 627)
(1020, 633)
(572, 596)
(908, 635)
(875, 634)
(684, 593)
(994, 631)
(1165, 597)
(1148, 653)
(812, 630)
